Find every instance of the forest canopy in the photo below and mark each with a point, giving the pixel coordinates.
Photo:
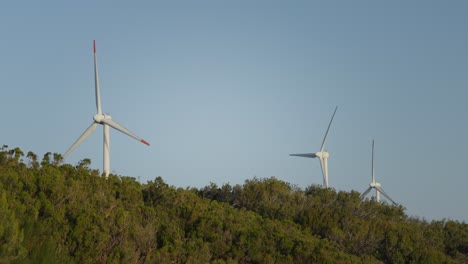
(52, 212)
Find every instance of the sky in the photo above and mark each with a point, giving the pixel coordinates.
(225, 90)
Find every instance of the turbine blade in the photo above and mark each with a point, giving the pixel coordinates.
(373, 172)
(366, 192)
(96, 81)
(306, 155)
(385, 194)
(325, 174)
(328, 129)
(86, 134)
(322, 166)
(122, 129)
(106, 151)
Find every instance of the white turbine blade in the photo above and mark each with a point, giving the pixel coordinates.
(325, 174)
(373, 172)
(328, 129)
(106, 151)
(322, 166)
(122, 129)
(385, 194)
(86, 134)
(305, 155)
(366, 192)
(96, 82)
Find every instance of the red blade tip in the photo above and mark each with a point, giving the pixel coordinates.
(144, 142)
(94, 44)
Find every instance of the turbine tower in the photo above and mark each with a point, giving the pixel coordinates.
(106, 121)
(376, 185)
(322, 154)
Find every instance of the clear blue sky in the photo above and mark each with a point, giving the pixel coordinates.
(225, 91)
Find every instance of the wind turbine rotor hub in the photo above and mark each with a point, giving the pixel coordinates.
(99, 117)
(322, 154)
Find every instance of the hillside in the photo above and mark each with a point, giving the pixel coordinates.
(59, 213)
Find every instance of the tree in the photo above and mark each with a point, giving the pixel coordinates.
(11, 235)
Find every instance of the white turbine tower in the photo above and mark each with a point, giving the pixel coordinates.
(104, 120)
(376, 185)
(322, 154)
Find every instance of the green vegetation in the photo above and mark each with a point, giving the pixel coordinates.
(54, 213)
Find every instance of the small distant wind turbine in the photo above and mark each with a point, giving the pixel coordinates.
(104, 120)
(322, 154)
(376, 185)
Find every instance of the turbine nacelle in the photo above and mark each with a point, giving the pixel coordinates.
(375, 184)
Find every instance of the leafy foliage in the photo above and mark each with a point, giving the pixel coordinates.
(59, 213)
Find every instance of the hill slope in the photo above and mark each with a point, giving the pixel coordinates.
(53, 213)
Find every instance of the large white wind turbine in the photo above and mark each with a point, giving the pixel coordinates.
(322, 154)
(104, 120)
(376, 185)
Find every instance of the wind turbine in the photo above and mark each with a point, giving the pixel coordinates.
(106, 121)
(376, 185)
(322, 154)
